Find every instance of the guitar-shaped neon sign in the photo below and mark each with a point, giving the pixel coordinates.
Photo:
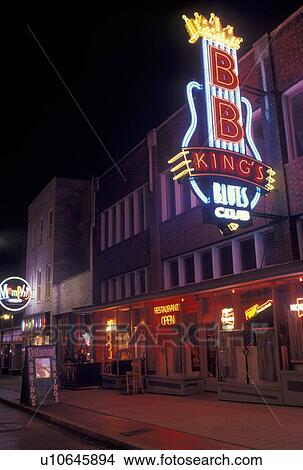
(226, 173)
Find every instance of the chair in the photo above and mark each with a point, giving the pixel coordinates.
(134, 379)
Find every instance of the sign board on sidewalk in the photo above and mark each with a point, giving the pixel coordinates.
(39, 378)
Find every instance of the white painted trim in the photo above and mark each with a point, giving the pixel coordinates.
(178, 197)
(193, 200)
(236, 255)
(198, 266)
(259, 249)
(181, 270)
(216, 262)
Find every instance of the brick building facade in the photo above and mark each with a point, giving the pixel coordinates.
(161, 272)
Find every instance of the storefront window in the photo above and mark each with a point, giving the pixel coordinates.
(290, 315)
(247, 346)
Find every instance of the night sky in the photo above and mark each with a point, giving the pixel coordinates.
(126, 66)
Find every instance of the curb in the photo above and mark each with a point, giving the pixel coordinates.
(72, 428)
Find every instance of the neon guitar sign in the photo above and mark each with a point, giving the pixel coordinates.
(226, 173)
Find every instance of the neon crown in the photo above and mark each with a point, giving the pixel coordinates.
(211, 29)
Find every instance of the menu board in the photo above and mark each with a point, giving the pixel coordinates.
(39, 378)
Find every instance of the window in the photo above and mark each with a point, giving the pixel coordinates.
(293, 119)
(141, 276)
(34, 236)
(207, 265)
(122, 220)
(123, 289)
(140, 210)
(105, 229)
(174, 273)
(41, 231)
(257, 132)
(39, 286)
(171, 197)
(48, 281)
(131, 215)
(114, 288)
(297, 122)
(105, 293)
(189, 266)
(269, 256)
(226, 260)
(50, 224)
(114, 225)
(248, 254)
(185, 196)
(132, 284)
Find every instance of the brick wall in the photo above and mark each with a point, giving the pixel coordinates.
(278, 53)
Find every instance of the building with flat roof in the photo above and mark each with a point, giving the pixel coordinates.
(199, 280)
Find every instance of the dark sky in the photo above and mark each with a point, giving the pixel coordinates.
(127, 67)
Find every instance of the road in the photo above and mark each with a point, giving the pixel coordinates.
(19, 431)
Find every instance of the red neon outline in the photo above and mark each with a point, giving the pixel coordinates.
(214, 66)
(217, 102)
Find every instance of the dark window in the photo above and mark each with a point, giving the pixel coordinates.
(186, 193)
(189, 265)
(39, 284)
(41, 231)
(114, 225)
(122, 220)
(269, 249)
(123, 291)
(297, 119)
(258, 134)
(141, 210)
(113, 288)
(106, 291)
(131, 215)
(207, 265)
(132, 284)
(174, 273)
(142, 281)
(50, 224)
(226, 260)
(105, 228)
(171, 198)
(248, 254)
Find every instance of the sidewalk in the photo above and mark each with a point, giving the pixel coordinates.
(168, 422)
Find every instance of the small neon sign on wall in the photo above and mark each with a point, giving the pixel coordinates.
(15, 293)
(227, 174)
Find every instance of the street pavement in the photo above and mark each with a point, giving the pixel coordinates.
(18, 431)
(152, 421)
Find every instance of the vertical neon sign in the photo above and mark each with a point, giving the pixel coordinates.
(226, 172)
